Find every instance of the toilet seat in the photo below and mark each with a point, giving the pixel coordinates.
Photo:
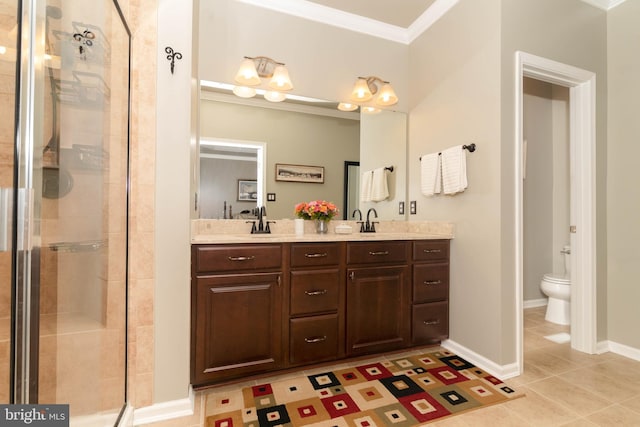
(559, 279)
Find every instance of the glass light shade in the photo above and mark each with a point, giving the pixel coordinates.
(244, 92)
(345, 106)
(280, 79)
(3, 50)
(387, 96)
(371, 110)
(274, 96)
(361, 92)
(247, 74)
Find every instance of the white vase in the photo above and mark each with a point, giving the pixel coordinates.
(299, 226)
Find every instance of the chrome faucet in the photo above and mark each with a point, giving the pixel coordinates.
(370, 226)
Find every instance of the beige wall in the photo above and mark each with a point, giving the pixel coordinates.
(293, 138)
(623, 192)
(454, 69)
(463, 74)
(574, 33)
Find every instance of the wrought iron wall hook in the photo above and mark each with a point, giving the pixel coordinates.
(172, 56)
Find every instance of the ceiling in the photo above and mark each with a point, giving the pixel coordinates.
(400, 21)
(386, 11)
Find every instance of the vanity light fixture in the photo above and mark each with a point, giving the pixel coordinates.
(252, 70)
(346, 106)
(366, 87)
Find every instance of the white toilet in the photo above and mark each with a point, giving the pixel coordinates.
(558, 288)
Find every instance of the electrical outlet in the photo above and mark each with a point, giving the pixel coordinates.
(271, 197)
(401, 208)
(412, 207)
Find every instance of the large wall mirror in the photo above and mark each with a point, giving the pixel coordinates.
(249, 141)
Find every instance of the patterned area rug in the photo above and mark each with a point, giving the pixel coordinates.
(404, 391)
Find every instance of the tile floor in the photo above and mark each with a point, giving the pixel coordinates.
(563, 388)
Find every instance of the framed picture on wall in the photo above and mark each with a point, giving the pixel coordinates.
(299, 173)
(247, 190)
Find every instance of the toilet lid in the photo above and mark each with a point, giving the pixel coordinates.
(557, 278)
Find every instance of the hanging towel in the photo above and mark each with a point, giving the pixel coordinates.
(365, 186)
(454, 170)
(430, 174)
(379, 187)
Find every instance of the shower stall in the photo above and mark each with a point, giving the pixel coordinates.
(64, 156)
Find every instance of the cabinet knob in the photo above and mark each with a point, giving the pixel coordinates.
(313, 340)
(352, 275)
(432, 282)
(431, 322)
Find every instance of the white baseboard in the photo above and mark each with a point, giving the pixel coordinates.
(165, 410)
(532, 303)
(502, 372)
(621, 349)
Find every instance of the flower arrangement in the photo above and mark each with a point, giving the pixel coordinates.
(316, 209)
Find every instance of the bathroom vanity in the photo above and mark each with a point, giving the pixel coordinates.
(263, 304)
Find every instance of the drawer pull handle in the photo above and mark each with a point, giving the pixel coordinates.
(314, 293)
(241, 258)
(432, 251)
(314, 340)
(320, 255)
(431, 322)
(432, 282)
(379, 253)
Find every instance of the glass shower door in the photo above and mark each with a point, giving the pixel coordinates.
(72, 204)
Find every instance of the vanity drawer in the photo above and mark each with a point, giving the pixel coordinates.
(313, 339)
(431, 250)
(378, 252)
(237, 257)
(430, 282)
(430, 322)
(315, 254)
(314, 291)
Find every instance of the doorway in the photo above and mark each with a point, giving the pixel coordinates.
(581, 84)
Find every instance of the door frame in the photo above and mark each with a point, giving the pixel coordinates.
(582, 148)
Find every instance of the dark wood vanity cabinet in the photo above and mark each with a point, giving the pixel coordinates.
(430, 298)
(316, 302)
(378, 296)
(236, 306)
(256, 308)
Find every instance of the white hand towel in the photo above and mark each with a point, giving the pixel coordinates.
(379, 187)
(430, 174)
(454, 170)
(365, 186)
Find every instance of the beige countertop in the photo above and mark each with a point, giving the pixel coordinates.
(213, 231)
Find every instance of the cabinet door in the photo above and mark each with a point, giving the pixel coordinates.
(238, 326)
(378, 301)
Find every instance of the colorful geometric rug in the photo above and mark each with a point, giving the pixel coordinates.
(403, 391)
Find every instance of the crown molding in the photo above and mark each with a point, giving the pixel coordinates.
(337, 18)
(360, 24)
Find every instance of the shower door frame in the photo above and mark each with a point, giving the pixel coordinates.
(26, 244)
